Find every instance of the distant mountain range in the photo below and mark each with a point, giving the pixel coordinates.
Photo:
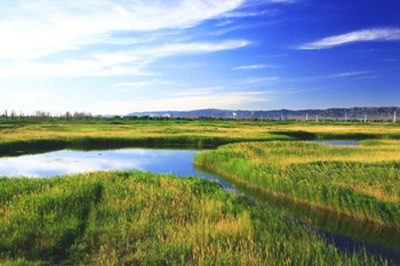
(358, 113)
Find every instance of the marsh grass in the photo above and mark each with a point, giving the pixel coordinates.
(21, 130)
(26, 146)
(17, 137)
(363, 182)
(136, 218)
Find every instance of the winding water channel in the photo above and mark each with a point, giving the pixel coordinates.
(345, 233)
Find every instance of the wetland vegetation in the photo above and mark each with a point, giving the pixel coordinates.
(136, 218)
(131, 217)
(363, 182)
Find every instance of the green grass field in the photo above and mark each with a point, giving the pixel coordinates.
(134, 218)
(363, 182)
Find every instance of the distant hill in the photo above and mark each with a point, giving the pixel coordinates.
(354, 113)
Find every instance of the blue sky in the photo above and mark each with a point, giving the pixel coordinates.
(121, 56)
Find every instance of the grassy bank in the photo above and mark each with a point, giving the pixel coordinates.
(18, 137)
(20, 130)
(362, 182)
(135, 218)
(21, 146)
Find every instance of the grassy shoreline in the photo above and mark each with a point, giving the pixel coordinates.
(29, 136)
(15, 130)
(129, 217)
(48, 144)
(360, 182)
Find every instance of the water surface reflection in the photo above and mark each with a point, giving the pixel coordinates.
(65, 162)
(337, 142)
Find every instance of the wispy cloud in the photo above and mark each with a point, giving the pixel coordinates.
(199, 91)
(250, 81)
(249, 13)
(224, 23)
(347, 74)
(93, 67)
(25, 96)
(367, 77)
(187, 65)
(179, 103)
(130, 62)
(36, 28)
(130, 84)
(258, 66)
(192, 48)
(365, 51)
(281, 1)
(337, 75)
(375, 34)
(294, 91)
(263, 2)
(124, 87)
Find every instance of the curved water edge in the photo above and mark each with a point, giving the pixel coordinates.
(68, 162)
(344, 232)
(336, 142)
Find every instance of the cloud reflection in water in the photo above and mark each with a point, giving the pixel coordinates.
(68, 162)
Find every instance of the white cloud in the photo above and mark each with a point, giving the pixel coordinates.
(39, 29)
(25, 96)
(262, 2)
(130, 84)
(187, 65)
(367, 51)
(258, 66)
(193, 48)
(221, 100)
(130, 62)
(281, 1)
(258, 80)
(36, 28)
(376, 34)
(224, 23)
(367, 77)
(249, 13)
(134, 86)
(295, 91)
(337, 75)
(72, 68)
(199, 91)
(347, 74)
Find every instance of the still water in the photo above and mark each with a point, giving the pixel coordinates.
(337, 142)
(65, 162)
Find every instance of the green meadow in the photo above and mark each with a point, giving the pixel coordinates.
(136, 218)
(362, 182)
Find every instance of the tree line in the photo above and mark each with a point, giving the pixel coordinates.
(47, 116)
(82, 116)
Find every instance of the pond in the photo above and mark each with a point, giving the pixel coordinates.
(337, 142)
(66, 162)
(346, 234)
